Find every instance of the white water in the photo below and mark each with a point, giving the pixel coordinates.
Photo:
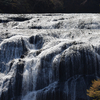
(54, 56)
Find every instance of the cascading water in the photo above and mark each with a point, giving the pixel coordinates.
(49, 56)
(30, 77)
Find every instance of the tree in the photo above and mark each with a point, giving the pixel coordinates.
(94, 90)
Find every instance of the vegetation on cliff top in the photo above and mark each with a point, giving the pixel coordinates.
(42, 6)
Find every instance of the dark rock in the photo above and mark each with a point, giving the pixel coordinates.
(14, 85)
(4, 21)
(35, 27)
(19, 19)
(38, 52)
(38, 41)
(31, 39)
(22, 56)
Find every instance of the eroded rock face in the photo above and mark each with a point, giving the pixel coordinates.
(55, 64)
(14, 88)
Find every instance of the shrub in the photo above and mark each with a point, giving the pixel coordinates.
(94, 90)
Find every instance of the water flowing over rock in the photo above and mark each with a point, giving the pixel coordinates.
(48, 56)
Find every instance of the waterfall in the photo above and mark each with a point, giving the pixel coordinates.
(52, 57)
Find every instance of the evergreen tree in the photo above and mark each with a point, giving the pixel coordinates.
(94, 90)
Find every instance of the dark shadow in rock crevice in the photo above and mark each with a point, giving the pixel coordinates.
(35, 27)
(4, 21)
(19, 18)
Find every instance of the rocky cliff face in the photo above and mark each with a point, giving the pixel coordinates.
(48, 56)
